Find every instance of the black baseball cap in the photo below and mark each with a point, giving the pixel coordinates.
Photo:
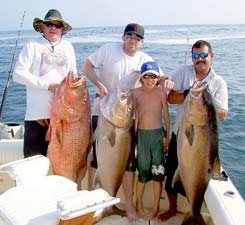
(134, 28)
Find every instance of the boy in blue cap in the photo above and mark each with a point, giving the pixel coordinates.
(149, 103)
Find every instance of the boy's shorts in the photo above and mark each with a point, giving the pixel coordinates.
(150, 155)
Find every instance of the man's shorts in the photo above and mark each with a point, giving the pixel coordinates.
(35, 138)
(131, 165)
(150, 155)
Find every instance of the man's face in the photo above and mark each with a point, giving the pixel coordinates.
(202, 59)
(131, 43)
(52, 30)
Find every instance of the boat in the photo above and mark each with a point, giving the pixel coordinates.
(223, 204)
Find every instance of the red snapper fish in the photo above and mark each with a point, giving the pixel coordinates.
(70, 135)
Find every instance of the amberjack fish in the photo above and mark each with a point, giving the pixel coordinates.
(197, 147)
(70, 135)
(115, 137)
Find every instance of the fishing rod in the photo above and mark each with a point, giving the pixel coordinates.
(5, 93)
(187, 44)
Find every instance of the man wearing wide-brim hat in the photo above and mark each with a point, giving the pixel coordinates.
(42, 64)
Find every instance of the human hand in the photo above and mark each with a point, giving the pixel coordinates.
(103, 90)
(166, 146)
(52, 87)
(167, 83)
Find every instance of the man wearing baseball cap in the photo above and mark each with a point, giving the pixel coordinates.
(115, 61)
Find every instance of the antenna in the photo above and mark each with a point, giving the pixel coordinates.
(187, 44)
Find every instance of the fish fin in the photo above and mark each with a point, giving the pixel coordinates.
(176, 177)
(48, 134)
(217, 167)
(189, 132)
(110, 133)
(95, 180)
(112, 137)
(59, 134)
(95, 134)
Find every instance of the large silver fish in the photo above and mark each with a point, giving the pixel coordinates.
(114, 137)
(197, 147)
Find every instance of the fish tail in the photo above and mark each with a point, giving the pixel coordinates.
(193, 219)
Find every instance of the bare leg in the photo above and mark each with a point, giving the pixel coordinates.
(128, 187)
(140, 188)
(91, 173)
(157, 187)
(172, 208)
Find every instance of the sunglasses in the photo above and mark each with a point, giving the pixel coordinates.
(131, 37)
(149, 76)
(56, 25)
(203, 55)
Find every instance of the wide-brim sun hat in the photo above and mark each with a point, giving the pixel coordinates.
(52, 15)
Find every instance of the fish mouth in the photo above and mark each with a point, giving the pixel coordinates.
(197, 89)
(123, 94)
(75, 81)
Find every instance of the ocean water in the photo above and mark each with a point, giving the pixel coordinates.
(170, 46)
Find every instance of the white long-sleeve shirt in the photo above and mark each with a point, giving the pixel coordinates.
(38, 66)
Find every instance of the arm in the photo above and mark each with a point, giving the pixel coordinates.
(22, 72)
(88, 69)
(134, 95)
(177, 97)
(166, 121)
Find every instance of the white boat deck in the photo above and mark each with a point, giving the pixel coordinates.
(225, 209)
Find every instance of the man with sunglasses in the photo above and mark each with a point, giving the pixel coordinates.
(114, 61)
(184, 77)
(41, 66)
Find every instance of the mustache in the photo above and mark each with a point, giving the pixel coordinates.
(199, 62)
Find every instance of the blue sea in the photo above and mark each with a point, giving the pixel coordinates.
(170, 46)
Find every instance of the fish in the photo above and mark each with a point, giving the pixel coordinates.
(70, 133)
(197, 149)
(115, 137)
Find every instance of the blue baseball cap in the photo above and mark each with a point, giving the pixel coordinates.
(150, 67)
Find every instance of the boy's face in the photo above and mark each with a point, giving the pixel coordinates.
(150, 80)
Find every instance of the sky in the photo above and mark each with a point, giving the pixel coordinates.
(90, 13)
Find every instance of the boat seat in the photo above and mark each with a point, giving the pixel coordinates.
(35, 203)
(27, 170)
(46, 200)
